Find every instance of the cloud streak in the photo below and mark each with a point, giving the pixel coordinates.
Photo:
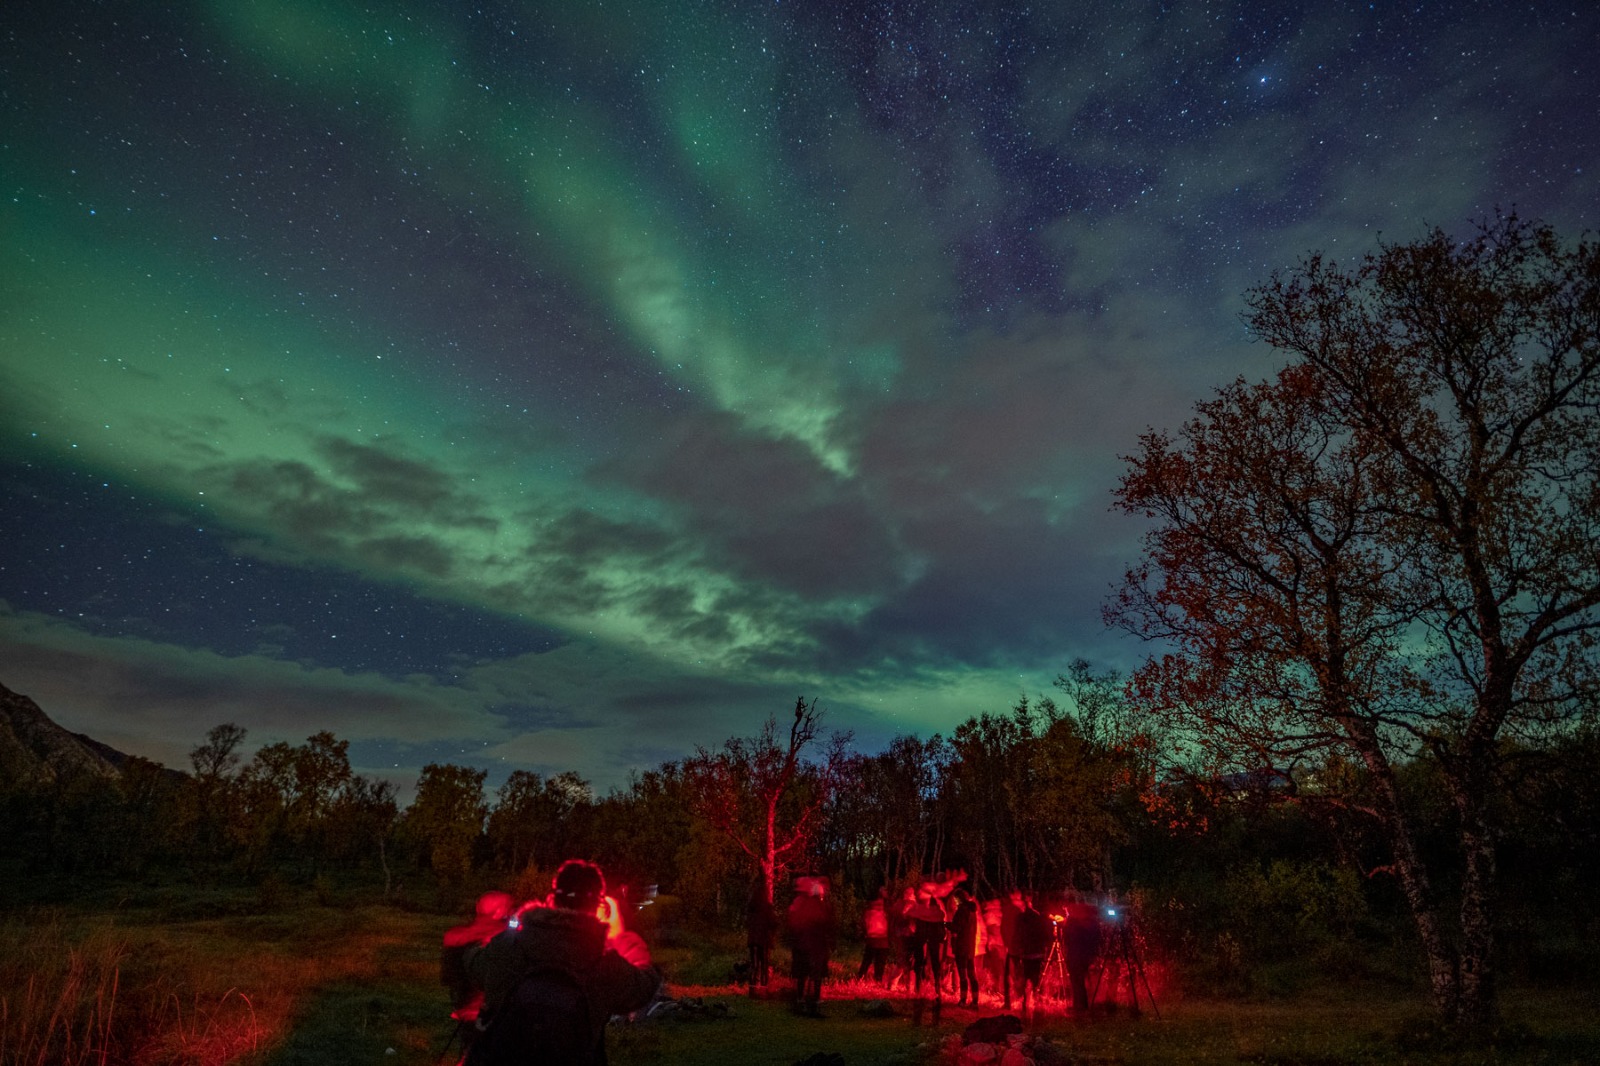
(563, 386)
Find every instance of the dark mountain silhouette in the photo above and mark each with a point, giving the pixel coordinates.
(36, 751)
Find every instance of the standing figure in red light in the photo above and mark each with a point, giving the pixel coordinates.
(811, 936)
(875, 936)
(761, 929)
(903, 937)
(928, 955)
(552, 984)
(1034, 938)
(1081, 942)
(466, 995)
(965, 928)
(1012, 905)
(995, 960)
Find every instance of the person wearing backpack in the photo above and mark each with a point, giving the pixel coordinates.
(552, 984)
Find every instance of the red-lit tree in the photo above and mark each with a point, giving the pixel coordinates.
(761, 793)
(1393, 549)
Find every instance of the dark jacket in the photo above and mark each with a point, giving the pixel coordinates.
(1034, 935)
(930, 922)
(964, 929)
(811, 929)
(761, 921)
(576, 943)
(1081, 935)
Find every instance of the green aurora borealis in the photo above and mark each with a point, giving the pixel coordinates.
(565, 385)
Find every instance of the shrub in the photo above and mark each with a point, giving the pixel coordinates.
(1291, 908)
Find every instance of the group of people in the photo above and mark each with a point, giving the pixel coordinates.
(931, 923)
(931, 936)
(999, 948)
(811, 929)
(537, 983)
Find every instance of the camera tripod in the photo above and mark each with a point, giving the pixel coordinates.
(1055, 967)
(1122, 951)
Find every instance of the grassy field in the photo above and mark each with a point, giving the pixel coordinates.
(189, 979)
(1320, 1030)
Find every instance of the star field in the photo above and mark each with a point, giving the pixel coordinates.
(562, 386)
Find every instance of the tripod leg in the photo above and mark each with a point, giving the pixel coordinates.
(455, 1031)
(1150, 995)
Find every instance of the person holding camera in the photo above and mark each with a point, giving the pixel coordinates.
(1035, 935)
(551, 984)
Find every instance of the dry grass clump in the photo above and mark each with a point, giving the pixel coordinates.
(58, 998)
(205, 1031)
(86, 991)
(99, 995)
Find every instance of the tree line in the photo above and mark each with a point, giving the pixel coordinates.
(1373, 581)
(1032, 796)
(1065, 791)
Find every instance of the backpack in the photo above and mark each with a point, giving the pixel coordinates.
(543, 1022)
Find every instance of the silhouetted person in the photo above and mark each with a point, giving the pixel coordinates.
(1034, 937)
(903, 937)
(964, 925)
(1011, 906)
(995, 962)
(761, 929)
(1080, 940)
(929, 938)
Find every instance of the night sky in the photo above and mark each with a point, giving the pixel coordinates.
(562, 385)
